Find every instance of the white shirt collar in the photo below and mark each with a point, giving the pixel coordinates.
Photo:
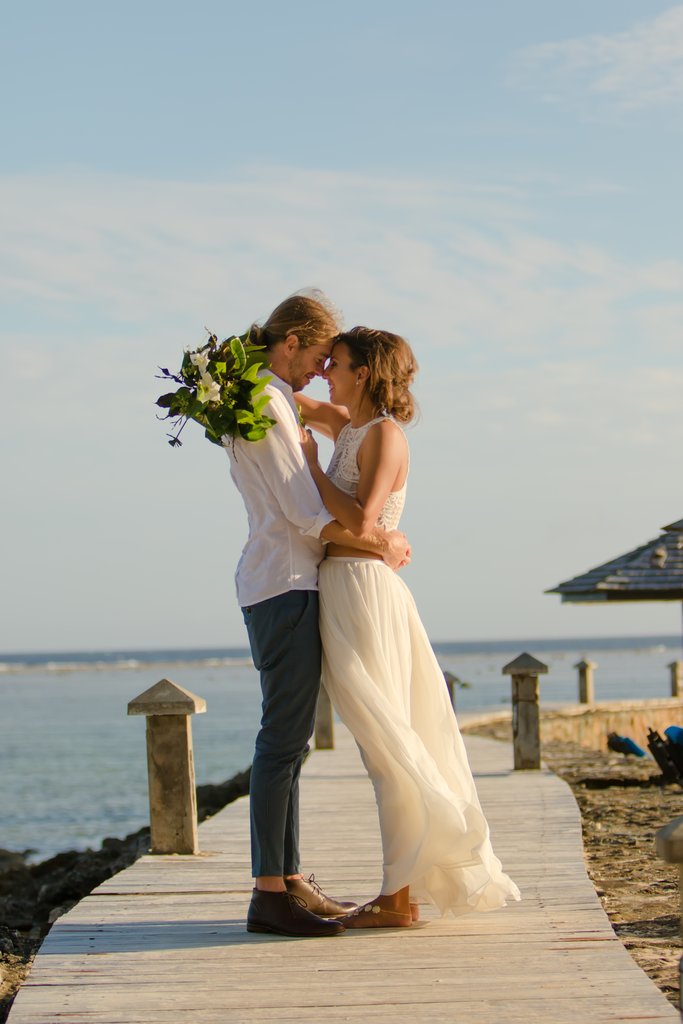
(278, 382)
(284, 387)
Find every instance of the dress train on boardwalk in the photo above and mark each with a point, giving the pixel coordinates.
(388, 688)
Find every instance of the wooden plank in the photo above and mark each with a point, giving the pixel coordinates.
(164, 942)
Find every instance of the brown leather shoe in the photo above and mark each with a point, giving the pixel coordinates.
(372, 915)
(284, 913)
(315, 900)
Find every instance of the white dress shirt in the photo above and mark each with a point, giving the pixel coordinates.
(285, 511)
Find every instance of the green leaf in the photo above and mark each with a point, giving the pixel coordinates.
(260, 380)
(196, 408)
(261, 403)
(181, 402)
(256, 389)
(238, 354)
(256, 433)
(258, 362)
(250, 373)
(210, 436)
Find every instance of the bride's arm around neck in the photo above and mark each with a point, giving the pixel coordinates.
(324, 417)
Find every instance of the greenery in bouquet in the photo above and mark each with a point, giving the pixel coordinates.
(220, 388)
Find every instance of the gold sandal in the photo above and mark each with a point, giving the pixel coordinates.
(358, 915)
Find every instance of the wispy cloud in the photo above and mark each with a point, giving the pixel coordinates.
(108, 278)
(453, 264)
(634, 69)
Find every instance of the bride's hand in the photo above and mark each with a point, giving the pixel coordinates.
(309, 447)
(398, 550)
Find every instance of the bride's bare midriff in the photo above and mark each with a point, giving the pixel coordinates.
(338, 551)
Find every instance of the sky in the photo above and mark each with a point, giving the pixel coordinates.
(497, 182)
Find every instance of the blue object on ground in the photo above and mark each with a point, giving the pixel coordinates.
(625, 745)
(675, 734)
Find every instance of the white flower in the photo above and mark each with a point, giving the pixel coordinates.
(208, 390)
(201, 360)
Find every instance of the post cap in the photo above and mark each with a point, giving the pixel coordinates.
(525, 665)
(586, 664)
(167, 698)
(674, 664)
(669, 842)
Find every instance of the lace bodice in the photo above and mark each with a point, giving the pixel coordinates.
(344, 473)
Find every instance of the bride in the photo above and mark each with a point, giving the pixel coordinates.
(378, 666)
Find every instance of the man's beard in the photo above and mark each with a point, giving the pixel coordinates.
(298, 379)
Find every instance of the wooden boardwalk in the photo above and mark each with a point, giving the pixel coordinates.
(164, 942)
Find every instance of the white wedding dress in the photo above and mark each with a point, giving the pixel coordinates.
(387, 687)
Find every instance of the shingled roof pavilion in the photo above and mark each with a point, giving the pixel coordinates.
(653, 572)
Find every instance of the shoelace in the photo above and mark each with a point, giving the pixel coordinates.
(314, 885)
(293, 898)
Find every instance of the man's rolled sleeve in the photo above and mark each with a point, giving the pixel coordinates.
(321, 520)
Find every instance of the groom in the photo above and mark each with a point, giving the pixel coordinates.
(278, 591)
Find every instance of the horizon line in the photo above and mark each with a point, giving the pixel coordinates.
(633, 637)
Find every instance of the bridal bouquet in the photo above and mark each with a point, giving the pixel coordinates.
(220, 389)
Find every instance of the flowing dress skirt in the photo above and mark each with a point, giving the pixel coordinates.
(387, 687)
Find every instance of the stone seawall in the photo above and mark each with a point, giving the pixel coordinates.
(589, 724)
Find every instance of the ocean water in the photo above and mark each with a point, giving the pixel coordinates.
(73, 763)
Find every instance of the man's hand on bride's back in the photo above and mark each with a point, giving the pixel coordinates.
(398, 552)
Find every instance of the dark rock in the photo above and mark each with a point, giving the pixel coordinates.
(60, 862)
(212, 798)
(13, 858)
(16, 880)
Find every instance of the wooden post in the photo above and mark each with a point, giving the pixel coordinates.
(526, 734)
(669, 843)
(451, 682)
(324, 723)
(586, 685)
(676, 668)
(170, 765)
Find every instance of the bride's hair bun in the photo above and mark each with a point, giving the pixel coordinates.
(392, 368)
